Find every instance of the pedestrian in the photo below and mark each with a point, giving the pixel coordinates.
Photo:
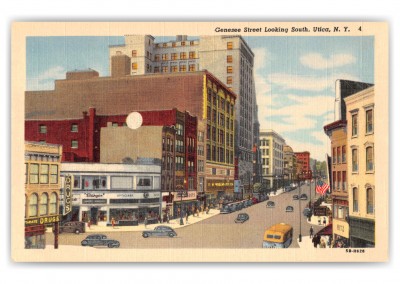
(319, 221)
(145, 222)
(323, 244)
(113, 223)
(167, 218)
(159, 219)
(197, 212)
(324, 221)
(314, 241)
(311, 232)
(187, 217)
(318, 240)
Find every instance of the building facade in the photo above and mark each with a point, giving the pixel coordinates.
(303, 165)
(272, 159)
(127, 193)
(42, 191)
(337, 132)
(289, 164)
(199, 93)
(229, 58)
(361, 167)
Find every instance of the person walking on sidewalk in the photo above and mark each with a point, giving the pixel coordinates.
(323, 244)
(311, 232)
(167, 218)
(88, 223)
(324, 222)
(145, 222)
(187, 217)
(113, 223)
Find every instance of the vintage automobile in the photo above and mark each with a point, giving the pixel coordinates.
(160, 231)
(289, 209)
(72, 227)
(99, 240)
(295, 197)
(242, 217)
(303, 196)
(270, 204)
(226, 209)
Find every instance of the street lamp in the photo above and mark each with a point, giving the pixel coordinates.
(181, 219)
(300, 215)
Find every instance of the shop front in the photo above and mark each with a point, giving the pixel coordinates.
(35, 230)
(341, 233)
(362, 233)
(185, 202)
(218, 190)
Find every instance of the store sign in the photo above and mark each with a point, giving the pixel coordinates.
(219, 184)
(42, 220)
(67, 194)
(94, 195)
(341, 228)
(186, 195)
(94, 201)
(320, 211)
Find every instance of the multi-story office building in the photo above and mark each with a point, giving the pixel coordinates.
(361, 167)
(289, 164)
(229, 58)
(199, 93)
(42, 191)
(272, 159)
(303, 165)
(337, 132)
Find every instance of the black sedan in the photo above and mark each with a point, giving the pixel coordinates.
(160, 231)
(99, 240)
(242, 217)
(289, 209)
(303, 196)
(295, 197)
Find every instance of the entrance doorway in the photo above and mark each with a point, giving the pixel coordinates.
(93, 215)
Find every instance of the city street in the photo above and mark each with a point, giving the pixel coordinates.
(219, 231)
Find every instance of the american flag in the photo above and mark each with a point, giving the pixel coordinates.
(321, 187)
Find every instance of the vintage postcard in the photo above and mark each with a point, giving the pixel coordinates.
(200, 142)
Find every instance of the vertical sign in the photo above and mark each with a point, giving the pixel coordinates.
(67, 195)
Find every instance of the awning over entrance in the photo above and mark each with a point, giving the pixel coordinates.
(327, 231)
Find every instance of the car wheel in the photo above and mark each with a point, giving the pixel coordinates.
(84, 243)
(110, 245)
(116, 245)
(171, 235)
(145, 235)
(77, 232)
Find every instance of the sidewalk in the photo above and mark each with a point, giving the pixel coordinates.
(174, 224)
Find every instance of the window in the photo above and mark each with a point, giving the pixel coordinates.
(42, 128)
(74, 144)
(165, 69)
(174, 44)
(174, 68)
(344, 181)
(165, 44)
(344, 154)
(174, 56)
(157, 57)
(339, 156)
(44, 173)
(134, 66)
(94, 182)
(229, 80)
(229, 45)
(53, 204)
(191, 42)
(229, 59)
(334, 180)
(192, 67)
(143, 182)
(26, 173)
(165, 57)
(182, 68)
(354, 124)
(370, 201)
(34, 173)
(183, 43)
(183, 55)
(200, 166)
(339, 183)
(77, 182)
(33, 203)
(208, 152)
(156, 69)
(369, 153)
(229, 69)
(74, 127)
(354, 162)
(43, 204)
(355, 199)
(121, 182)
(200, 136)
(114, 124)
(334, 155)
(369, 116)
(192, 55)
(134, 53)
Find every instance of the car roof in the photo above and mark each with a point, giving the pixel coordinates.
(164, 227)
(96, 235)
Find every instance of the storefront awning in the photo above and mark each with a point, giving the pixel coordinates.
(327, 231)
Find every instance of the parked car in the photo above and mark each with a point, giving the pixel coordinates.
(99, 240)
(307, 212)
(303, 196)
(72, 227)
(242, 217)
(254, 200)
(226, 209)
(249, 202)
(295, 197)
(270, 204)
(289, 209)
(160, 231)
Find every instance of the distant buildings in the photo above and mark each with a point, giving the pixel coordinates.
(303, 165)
(289, 164)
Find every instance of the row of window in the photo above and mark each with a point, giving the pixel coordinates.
(369, 154)
(43, 128)
(173, 69)
(219, 154)
(339, 155)
(41, 207)
(221, 136)
(369, 197)
(41, 173)
(369, 122)
(86, 182)
(175, 44)
(174, 56)
(219, 102)
(339, 180)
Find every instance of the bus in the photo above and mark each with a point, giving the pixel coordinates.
(278, 236)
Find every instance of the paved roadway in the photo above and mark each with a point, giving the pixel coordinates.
(219, 231)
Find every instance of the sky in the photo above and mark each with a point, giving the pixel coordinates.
(294, 77)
